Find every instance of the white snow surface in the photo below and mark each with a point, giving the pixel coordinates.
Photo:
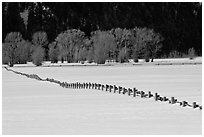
(35, 107)
(165, 61)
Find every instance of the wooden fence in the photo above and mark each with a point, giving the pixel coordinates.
(115, 89)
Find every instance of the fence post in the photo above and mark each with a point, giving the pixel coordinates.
(114, 88)
(172, 100)
(95, 85)
(89, 85)
(194, 105)
(164, 99)
(129, 91)
(124, 90)
(142, 94)
(150, 94)
(66, 85)
(62, 84)
(98, 86)
(84, 84)
(119, 89)
(134, 92)
(102, 87)
(200, 107)
(92, 85)
(110, 87)
(107, 87)
(184, 103)
(80, 85)
(160, 98)
(156, 96)
(75, 85)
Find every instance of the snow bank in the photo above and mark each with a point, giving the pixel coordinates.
(33, 107)
(168, 61)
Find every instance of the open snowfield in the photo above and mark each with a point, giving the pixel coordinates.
(35, 107)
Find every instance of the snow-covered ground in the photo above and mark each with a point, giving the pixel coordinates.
(35, 107)
(167, 61)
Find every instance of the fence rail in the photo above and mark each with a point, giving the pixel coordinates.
(113, 88)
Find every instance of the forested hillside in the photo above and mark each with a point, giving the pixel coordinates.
(99, 31)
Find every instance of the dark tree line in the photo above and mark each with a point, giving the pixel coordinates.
(73, 45)
(180, 24)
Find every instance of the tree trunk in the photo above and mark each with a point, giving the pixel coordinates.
(11, 64)
(62, 60)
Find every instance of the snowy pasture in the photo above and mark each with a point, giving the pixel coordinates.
(39, 107)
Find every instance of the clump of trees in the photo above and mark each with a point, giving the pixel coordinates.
(38, 56)
(15, 50)
(104, 46)
(73, 45)
(53, 52)
(176, 26)
(115, 44)
(191, 53)
(23, 52)
(146, 42)
(40, 42)
(69, 43)
(179, 23)
(122, 37)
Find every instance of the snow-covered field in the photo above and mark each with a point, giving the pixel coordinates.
(36, 107)
(166, 61)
